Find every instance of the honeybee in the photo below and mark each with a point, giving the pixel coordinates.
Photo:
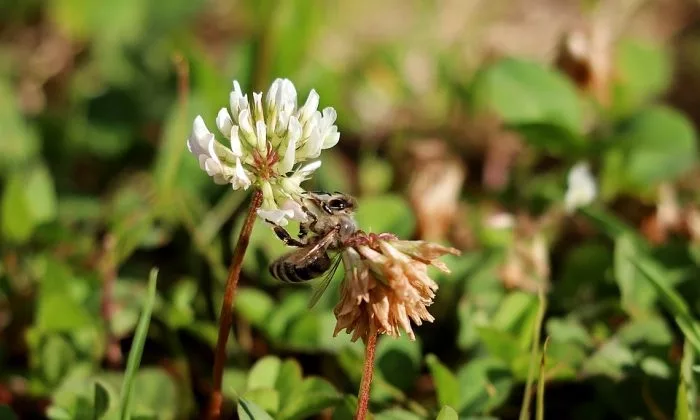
(330, 227)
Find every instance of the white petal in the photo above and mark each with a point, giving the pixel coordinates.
(331, 139)
(287, 96)
(235, 99)
(312, 148)
(276, 216)
(235, 142)
(237, 87)
(297, 213)
(212, 167)
(307, 170)
(199, 129)
(246, 125)
(271, 97)
(257, 107)
(293, 136)
(261, 134)
(224, 122)
(329, 116)
(211, 149)
(241, 179)
(307, 111)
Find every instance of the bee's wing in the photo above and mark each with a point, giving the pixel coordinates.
(323, 284)
(319, 246)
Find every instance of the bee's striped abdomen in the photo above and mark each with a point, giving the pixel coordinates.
(284, 269)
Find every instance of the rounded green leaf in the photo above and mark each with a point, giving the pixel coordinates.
(525, 92)
(386, 213)
(658, 144)
(398, 361)
(264, 373)
(643, 70)
(447, 413)
(486, 383)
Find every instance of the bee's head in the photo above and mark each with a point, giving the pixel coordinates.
(334, 203)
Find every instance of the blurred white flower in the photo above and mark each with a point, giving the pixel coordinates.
(581, 189)
(266, 142)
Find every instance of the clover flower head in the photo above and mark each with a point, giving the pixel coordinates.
(581, 189)
(270, 139)
(387, 286)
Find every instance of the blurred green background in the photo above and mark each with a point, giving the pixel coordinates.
(459, 121)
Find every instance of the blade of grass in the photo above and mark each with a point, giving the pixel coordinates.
(525, 407)
(672, 301)
(687, 388)
(608, 223)
(136, 351)
(541, 381)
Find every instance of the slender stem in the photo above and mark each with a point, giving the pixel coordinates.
(367, 372)
(108, 268)
(226, 318)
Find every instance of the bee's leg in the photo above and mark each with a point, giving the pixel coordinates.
(285, 236)
(303, 231)
(304, 227)
(323, 205)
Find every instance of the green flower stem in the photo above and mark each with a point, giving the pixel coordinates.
(226, 318)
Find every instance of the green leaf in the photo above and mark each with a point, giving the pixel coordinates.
(155, 394)
(233, 383)
(658, 144)
(347, 408)
(552, 138)
(637, 295)
(254, 305)
(265, 398)
(303, 333)
(396, 414)
(643, 70)
(523, 92)
(446, 384)
(516, 315)
(29, 200)
(386, 213)
(136, 351)
(447, 413)
(17, 222)
(501, 344)
(398, 361)
(20, 143)
(313, 396)
(264, 373)
(672, 301)
(288, 380)
(59, 312)
(61, 306)
(485, 384)
(612, 359)
(248, 410)
(290, 309)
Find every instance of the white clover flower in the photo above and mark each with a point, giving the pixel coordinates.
(267, 141)
(581, 189)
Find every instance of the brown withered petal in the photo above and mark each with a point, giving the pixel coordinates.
(387, 287)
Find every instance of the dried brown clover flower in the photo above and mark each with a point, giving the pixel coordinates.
(387, 286)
